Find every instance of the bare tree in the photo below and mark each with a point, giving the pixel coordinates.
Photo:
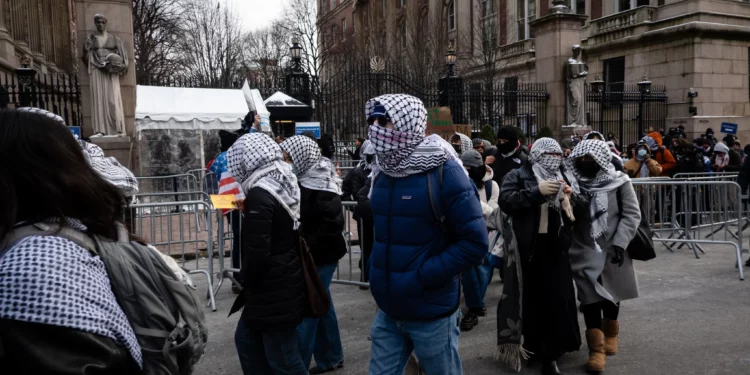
(211, 46)
(266, 53)
(156, 31)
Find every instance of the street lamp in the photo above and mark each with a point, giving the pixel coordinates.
(644, 86)
(450, 60)
(598, 86)
(296, 52)
(692, 94)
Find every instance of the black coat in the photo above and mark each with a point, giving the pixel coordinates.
(503, 165)
(744, 178)
(322, 218)
(353, 181)
(520, 198)
(32, 348)
(355, 155)
(363, 209)
(274, 288)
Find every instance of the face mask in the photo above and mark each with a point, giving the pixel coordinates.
(642, 153)
(587, 168)
(369, 158)
(457, 148)
(506, 148)
(477, 174)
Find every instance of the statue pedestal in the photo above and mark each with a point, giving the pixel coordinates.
(121, 148)
(566, 131)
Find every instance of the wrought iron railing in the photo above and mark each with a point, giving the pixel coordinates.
(57, 93)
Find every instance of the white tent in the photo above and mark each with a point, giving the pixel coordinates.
(164, 108)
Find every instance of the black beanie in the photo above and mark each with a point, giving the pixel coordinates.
(227, 139)
(509, 133)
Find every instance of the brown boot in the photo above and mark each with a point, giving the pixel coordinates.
(611, 329)
(595, 341)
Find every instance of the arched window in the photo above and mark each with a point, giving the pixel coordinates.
(452, 16)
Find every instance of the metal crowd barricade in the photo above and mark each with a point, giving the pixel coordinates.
(683, 211)
(173, 233)
(225, 235)
(171, 183)
(350, 225)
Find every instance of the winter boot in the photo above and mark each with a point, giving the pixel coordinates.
(469, 321)
(610, 328)
(597, 357)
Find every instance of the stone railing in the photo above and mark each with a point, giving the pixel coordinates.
(517, 48)
(623, 20)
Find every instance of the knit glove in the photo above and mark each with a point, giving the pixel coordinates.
(549, 187)
(619, 257)
(567, 207)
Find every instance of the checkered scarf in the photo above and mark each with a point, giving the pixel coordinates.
(546, 167)
(405, 150)
(598, 187)
(255, 160)
(466, 143)
(313, 170)
(367, 149)
(107, 168)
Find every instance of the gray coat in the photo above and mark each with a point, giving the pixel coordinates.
(617, 283)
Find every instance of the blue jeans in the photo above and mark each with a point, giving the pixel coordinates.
(434, 342)
(475, 282)
(268, 353)
(320, 336)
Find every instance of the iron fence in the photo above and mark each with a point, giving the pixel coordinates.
(626, 114)
(58, 93)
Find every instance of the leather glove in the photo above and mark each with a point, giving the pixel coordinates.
(549, 187)
(619, 257)
(567, 207)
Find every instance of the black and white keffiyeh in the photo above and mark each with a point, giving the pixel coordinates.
(367, 149)
(107, 168)
(255, 160)
(606, 180)
(51, 280)
(466, 143)
(405, 150)
(545, 158)
(313, 170)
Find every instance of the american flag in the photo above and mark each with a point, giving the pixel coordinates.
(227, 183)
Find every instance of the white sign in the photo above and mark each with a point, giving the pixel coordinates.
(255, 103)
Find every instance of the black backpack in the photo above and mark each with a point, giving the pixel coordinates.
(641, 247)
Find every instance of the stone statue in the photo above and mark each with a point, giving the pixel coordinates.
(576, 72)
(107, 60)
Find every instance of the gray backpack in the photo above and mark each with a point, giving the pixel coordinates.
(165, 314)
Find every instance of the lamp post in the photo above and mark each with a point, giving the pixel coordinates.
(644, 87)
(451, 87)
(598, 86)
(296, 52)
(450, 60)
(297, 80)
(25, 77)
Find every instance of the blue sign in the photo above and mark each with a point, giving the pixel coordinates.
(76, 131)
(728, 128)
(302, 127)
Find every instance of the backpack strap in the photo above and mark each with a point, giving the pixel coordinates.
(42, 229)
(440, 219)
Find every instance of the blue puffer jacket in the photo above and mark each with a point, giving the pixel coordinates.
(414, 266)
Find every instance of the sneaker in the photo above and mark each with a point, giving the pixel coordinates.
(469, 321)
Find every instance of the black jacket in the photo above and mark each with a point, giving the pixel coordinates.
(353, 181)
(503, 165)
(355, 155)
(274, 289)
(744, 178)
(735, 162)
(322, 218)
(520, 198)
(363, 209)
(32, 348)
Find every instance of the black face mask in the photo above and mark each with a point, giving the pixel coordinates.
(477, 174)
(587, 168)
(506, 148)
(457, 148)
(369, 158)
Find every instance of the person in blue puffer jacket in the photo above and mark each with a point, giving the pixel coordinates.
(429, 229)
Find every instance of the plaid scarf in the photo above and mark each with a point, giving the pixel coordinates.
(405, 150)
(256, 160)
(313, 170)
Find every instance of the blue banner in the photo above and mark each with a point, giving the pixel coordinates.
(728, 128)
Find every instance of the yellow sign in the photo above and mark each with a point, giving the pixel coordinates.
(224, 201)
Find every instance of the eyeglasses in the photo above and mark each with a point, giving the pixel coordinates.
(382, 120)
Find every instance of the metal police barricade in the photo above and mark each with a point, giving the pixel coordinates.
(180, 197)
(353, 257)
(177, 235)
(229, 231)
(689, 209)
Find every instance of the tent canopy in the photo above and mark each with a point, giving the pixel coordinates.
(189, 108)
(284, 107)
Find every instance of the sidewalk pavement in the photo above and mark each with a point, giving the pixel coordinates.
(693, 317)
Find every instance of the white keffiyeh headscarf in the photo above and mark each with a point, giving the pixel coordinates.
(313, 170)
(255, 160)
(466, 143)
(107, 168)
(546, 166)
(606, 180)
(406, 150)
(367, 149)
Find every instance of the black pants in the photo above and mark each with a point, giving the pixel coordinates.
(592, 313)
(234, 222)
(366, 229)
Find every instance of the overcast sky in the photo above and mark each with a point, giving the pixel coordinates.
(257, 13)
